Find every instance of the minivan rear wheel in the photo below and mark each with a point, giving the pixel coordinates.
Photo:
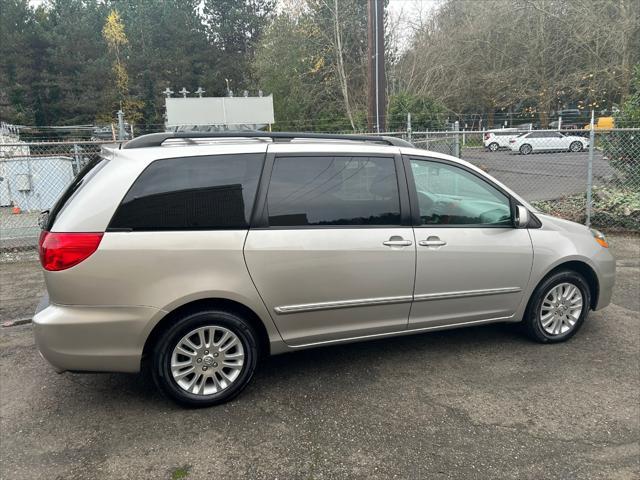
(205, 358)
(493, 146)
(558, 307)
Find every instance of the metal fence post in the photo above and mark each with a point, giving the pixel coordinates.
(456, 144)
(409, 126)
(76, 158)
(592, 147)
(121, 132)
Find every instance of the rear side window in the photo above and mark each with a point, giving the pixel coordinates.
(83, 177)
(193, 193)
(328, 190)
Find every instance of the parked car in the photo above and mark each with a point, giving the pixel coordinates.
(547, 140)
(194, 255)
(496, 139)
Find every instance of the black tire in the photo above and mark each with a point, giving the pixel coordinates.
(493, 146)
(575, 147)
(526, 149)
(532, 320)
(163, 349)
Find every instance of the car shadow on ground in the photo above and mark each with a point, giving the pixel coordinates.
(281, 373)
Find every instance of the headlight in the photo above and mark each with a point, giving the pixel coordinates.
(599, 237)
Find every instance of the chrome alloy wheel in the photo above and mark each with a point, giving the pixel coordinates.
(575, 147)
(207, 360)
(561, 309)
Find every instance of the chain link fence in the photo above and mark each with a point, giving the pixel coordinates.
(588, 177)
(32, 177)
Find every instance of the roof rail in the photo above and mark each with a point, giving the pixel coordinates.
(157, 139)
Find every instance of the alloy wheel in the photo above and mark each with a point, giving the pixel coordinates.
(207, 360)
(575, 147)
(526, 149)
(561, 309)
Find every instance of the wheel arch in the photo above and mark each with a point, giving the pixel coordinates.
(264, 344)
(578, 266)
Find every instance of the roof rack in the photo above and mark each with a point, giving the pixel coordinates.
(157, 139)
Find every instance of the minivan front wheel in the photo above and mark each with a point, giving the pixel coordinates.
(205, 358)
(558, 307)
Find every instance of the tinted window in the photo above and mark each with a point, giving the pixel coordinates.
(195, 193)
(333, 191)
(536, 135)
(449, 195)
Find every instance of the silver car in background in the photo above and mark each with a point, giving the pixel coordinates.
(193, 255)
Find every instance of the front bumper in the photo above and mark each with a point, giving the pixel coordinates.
(92, 338)
(606, 268)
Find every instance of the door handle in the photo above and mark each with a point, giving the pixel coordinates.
(397, 241)
(432, 242)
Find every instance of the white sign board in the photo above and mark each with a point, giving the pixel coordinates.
(219, 111)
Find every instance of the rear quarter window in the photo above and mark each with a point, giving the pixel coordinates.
(80, 181)
(192, 193)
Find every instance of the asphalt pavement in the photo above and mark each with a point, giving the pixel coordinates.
(540, 176)
(472, 403)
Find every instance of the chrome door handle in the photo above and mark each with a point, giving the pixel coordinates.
(432, 242)
(396, 241)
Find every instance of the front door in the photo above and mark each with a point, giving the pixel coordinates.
(334, 259)
(472, 265)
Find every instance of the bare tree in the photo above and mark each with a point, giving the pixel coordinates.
(342, 76)
(538, 54)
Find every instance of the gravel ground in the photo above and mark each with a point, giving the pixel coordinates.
(470, 403)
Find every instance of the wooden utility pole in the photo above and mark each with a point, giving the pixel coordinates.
(376, 118)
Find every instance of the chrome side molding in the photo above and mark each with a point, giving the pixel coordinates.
(425, 297)
(365, 302)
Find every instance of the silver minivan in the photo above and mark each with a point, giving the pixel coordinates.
(193, 255)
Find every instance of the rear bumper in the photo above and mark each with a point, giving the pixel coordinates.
(88, 338)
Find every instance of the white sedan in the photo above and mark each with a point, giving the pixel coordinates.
(546, 140)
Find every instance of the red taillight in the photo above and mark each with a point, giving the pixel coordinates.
(512, 141)
(486, 136)
(59, 251)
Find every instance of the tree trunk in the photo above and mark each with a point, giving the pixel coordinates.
(341, 72)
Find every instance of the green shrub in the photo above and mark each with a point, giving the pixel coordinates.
(426, 113)
(623, 148)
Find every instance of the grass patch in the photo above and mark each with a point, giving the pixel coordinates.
(180, 472)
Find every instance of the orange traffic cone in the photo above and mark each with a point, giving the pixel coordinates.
(16, 210)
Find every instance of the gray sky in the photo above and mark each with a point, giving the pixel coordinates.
(406, 15)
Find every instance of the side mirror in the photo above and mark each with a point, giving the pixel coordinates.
(522, 217)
